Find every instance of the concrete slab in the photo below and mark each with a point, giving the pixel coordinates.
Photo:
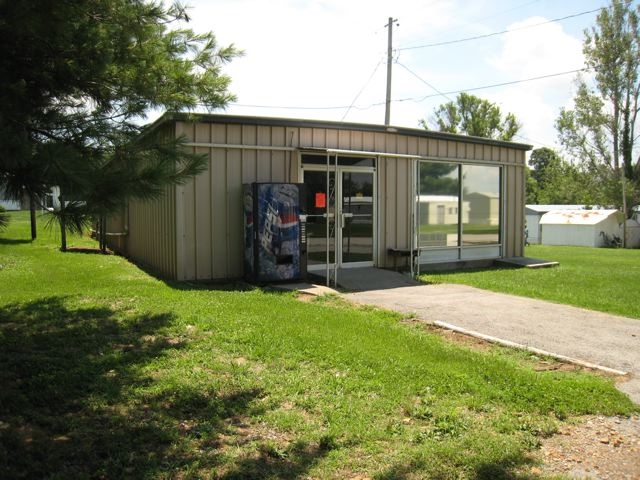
(592, 337)
(526, 262)
(307, 288)
(369, 278)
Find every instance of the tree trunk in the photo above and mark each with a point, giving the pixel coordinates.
(627, 141)
(63, 224)
(103, 233)
(63, 233)
(32, 211)
(616, 132)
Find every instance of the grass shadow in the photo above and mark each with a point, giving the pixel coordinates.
(212, 285)
(226, 285)
(492, 268)
(495, 267)
(88, 250)
(14, 241)
(272, 462)
(78, 399)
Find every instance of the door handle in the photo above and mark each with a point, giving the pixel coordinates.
(343, 217)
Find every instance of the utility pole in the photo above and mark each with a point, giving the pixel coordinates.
(387, 112)
(624, 206)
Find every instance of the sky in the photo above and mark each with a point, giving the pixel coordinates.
(327, 59)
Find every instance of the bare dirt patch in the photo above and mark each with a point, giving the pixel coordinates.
(598, 447)
(306, 297)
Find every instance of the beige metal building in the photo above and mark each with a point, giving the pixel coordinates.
(363, 183)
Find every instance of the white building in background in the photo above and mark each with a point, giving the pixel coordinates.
(584, 228)
(533, 213)
(442, 210)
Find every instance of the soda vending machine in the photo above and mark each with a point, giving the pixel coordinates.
(275, 243)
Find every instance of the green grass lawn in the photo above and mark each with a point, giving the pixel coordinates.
(594, 278)
(107, 372)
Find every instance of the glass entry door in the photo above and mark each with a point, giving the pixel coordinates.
(321, 226)
(340, 216)
(356, 229)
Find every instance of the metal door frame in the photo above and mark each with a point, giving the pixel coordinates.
(374, 204)
(332, 166)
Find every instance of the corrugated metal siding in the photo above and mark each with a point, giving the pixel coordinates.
(514, 200)
(212, 203)
(394, 206)
(151, 239)
(196, 231)
(151, 228)
(232, 167)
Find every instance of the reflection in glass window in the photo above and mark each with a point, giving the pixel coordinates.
(459, 205)
(439, 187)
(481, 195)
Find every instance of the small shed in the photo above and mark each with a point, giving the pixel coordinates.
(533, 213)
(584, 228)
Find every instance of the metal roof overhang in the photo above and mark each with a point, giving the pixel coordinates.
(305, 123)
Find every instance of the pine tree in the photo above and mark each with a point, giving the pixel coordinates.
(76, 82)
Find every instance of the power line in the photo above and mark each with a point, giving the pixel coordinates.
(504, 11)
(423, 80)
(477, 37)
(513, 82)
(362, 90)
(417, 99)
(489, 17)
(533, 141)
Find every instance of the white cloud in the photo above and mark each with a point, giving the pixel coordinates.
(322, 53)
(535, 52)
(314, 52)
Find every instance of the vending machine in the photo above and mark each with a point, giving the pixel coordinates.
(275, 243)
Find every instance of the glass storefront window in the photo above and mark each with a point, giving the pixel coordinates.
(458, 205)
(481, 193)
(439, 187)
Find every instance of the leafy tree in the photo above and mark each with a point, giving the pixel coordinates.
(76, 80)
(436, 179)
(471, 115)
(531, 187)
(553, 180)
(600, 130)
(543, 160)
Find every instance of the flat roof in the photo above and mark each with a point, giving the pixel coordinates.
(576, 217)
(306, 123)
(548, 208)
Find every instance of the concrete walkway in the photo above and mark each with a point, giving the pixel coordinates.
(591, 337)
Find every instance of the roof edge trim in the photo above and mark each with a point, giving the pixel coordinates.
(169, 117)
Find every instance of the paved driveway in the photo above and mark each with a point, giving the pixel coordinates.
(593, 337)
